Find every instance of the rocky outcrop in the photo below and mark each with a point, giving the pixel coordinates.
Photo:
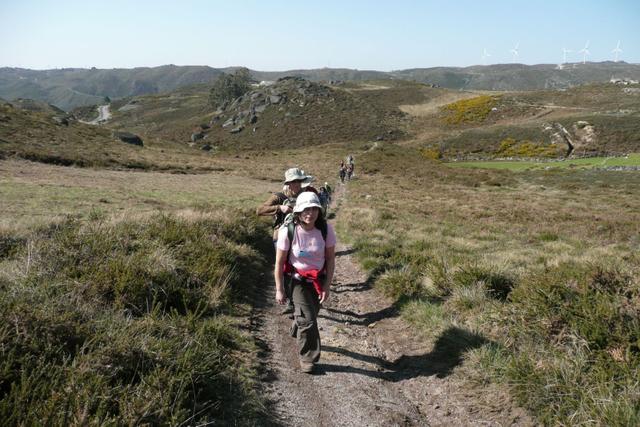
(580, 140)
(246, 109)
(129, 138)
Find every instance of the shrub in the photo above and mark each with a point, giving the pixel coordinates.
(588, 315)
(121, 323)
(399, 284)
(473, 110)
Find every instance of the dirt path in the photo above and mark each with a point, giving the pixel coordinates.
(374, 370)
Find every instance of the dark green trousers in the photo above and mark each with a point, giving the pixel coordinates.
(305, 322)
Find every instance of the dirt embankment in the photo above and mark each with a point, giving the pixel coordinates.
(374, 369)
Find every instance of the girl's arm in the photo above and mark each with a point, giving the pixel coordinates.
(281, 256)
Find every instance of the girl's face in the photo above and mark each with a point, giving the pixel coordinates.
(309, 215)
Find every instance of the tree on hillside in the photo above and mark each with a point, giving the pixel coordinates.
(229, 86)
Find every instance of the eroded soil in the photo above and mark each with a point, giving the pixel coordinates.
(374, 369)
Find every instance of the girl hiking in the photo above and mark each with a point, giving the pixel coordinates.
(305, 257)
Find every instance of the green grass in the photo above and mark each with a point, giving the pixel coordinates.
(542, 268)
(586, 163)
(131, 321)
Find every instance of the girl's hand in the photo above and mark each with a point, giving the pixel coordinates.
(281, 297)
(324, 295)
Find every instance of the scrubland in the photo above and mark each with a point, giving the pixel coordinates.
(159, 247)
(544, 265)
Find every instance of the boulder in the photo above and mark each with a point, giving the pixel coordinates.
(237, 129)
(260, 108)
(196, 136)
(229, 122)
(62, 121)
(275, 99)
(206, 147)
(129, 138)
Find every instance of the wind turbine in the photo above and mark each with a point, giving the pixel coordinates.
(617, 50)
(514, 51)
(485, 55)
(585, 51)
(564, 54)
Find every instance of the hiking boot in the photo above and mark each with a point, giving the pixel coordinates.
(306, 367)
(288, 309)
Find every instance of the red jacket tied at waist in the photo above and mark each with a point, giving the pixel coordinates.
(314, 277)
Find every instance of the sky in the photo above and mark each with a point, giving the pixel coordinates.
(284, 35)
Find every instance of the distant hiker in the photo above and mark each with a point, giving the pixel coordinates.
(342, 172)
(325, 200)
(349, 171)
(305, 257)
(328, 187)
(351, 163)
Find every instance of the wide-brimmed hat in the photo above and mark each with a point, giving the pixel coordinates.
(308, 180)
(294, 174)
(305, 200)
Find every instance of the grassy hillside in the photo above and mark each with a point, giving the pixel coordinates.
(542, 265)
(306, 114)
(40, 136)
(599, 120)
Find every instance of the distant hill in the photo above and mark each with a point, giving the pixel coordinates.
(521, 77)
(73, 87)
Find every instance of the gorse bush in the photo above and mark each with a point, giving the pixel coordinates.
(124, 323)
(473, 110)
(510, 147)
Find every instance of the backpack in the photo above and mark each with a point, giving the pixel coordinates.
(279, 217)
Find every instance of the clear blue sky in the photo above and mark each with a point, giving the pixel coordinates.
(281, 35)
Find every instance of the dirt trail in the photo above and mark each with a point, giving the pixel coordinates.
(374, 369)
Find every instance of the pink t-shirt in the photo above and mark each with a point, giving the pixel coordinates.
(307, 252)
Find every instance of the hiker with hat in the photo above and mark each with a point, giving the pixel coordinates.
(280, 204)
(305, 258)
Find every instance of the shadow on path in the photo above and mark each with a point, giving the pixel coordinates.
(345, 252)
(354, 318)
(351, 287)
(447, 354)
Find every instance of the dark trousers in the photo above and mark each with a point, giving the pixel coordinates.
(305, 322)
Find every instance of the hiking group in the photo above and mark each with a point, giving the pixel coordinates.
(305, 257)
(346, 169)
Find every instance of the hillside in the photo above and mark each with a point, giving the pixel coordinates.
(45, 134)
(598, 119)
(72, 87)
(291, 113)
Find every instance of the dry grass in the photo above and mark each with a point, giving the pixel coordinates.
(460, 242)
